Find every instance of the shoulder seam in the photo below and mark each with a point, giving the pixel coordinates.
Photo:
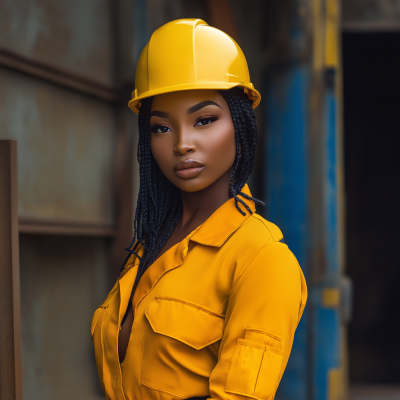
(258, 217)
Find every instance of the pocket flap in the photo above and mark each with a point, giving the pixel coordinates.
(187, 322)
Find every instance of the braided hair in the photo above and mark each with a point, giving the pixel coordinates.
(159, 203)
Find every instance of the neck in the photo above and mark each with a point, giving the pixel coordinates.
(198, 206)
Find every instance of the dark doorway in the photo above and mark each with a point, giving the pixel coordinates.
(371, 68)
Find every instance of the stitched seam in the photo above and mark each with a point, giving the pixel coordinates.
(261, 220)
(98, 318)
(141, 370)
(104, 322)
(274, 350)
(109, 296)
(260, 347)
(264, 333)
(230, 367)
(164, 391)
(257, 217)
(187, 343)
(258, 374)
(191, 305)
(155, 283)
(222, 307)
(231, 233)
(103, 351)
(180, 339)
(245, 269)
(222, 242)
(247, 394)
(176, 338)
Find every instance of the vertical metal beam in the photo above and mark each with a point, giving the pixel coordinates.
(10, 325)
(288, 198)
(221, 16)
(331, 288)
(287, 179)
(305, 189)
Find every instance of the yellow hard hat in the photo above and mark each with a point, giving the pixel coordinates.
(189, 54)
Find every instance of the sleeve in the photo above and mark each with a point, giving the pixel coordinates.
(265, 307)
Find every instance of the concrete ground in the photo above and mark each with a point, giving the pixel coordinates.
(374, 392)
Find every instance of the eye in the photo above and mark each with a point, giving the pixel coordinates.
(205, 120)
(160, 129)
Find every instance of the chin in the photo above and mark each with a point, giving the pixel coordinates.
(191, 185)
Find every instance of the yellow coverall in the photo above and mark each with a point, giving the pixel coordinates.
(215, 315)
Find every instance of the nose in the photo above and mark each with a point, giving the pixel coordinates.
(184, 143)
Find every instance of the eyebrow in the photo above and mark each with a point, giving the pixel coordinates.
(160, 114)
(191, 110)
(201, 105)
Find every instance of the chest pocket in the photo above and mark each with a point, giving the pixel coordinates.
(180, 347)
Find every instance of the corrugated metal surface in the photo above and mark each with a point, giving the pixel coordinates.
(65, 149)
(62, 281)
(57, 62)
(73, 35)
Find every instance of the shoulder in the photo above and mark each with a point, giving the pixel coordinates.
(267, 227)
(269, 258)
(251, 237)
(257, 232)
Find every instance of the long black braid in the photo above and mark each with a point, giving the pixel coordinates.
(159, 202)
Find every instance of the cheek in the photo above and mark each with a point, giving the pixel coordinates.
(159, 150)
(222, 146)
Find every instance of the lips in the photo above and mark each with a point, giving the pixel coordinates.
(188, 169)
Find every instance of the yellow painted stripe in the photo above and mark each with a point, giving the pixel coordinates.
(330, 297)
(332, 34)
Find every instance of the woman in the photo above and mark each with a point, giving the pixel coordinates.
(209, 298)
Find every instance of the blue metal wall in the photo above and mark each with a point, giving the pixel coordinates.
(287, 196)
(303, 184)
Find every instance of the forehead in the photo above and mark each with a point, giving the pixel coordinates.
(182, 100)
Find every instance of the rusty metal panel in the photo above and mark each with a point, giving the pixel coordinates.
(63, 280)
(65, 150)
(371, 14)
(74, 35)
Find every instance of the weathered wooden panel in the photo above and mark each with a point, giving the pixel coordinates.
(63, 281)
(72, 35)
(65, 150)
(10, 333)
(371, 14)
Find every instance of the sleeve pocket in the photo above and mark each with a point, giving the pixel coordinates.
(254, 371)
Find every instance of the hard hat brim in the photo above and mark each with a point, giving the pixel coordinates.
(253, 94)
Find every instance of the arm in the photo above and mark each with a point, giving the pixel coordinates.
(264, 309)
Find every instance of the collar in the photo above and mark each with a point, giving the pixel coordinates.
(213, 232)
(223, 222)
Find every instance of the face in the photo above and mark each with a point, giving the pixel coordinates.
(192, 138)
